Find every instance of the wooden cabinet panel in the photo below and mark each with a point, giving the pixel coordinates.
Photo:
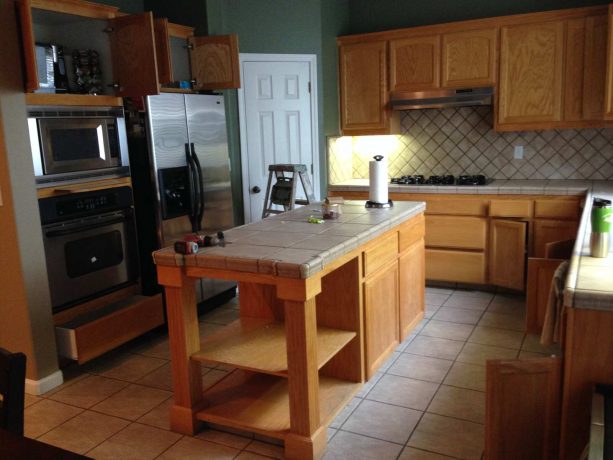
(363, 88)
(507, 253)
(27, 40)
(584, 85)
(214, 62)
(557, 209)
(456, 232)
(547, 231)
(472, 206)
(540, 274)
(522, 412)
(162, 50)
(531, 58)
(380, 317)
(377, 256)
(411, 282)
(511, 208)
(456, 266)
(133, 53)
(609, 66)
(469, 58)
(415, 63)
(411, 232)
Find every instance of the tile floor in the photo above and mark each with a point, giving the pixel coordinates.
(426, 403)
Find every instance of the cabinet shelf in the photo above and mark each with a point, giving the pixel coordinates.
(259, 345)
(260, 403)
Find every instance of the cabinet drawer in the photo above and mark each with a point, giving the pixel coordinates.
(457, 266)
(556, 209)
(456, 232)
(383, 252)
(456, 206)
(95, 333)
(511, 208)
(411, 232)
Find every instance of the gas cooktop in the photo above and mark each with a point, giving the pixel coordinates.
(478, 179)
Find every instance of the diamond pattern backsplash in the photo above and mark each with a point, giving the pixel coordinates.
(462, 141)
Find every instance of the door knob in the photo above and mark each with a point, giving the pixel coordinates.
(256, 189)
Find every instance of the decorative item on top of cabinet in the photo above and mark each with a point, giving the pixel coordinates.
(415, 63)
(364, 93)
(214, 62)
(124, 42)
(469, 58)
(530, 83)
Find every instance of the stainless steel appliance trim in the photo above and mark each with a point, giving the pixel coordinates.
(35, 147)
(442, 98)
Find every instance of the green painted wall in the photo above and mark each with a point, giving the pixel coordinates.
(185, 12)
(374, 16)
(127, 6)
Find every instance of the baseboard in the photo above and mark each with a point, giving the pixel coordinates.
(39, 387)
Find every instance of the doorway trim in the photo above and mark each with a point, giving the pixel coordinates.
(256, 57)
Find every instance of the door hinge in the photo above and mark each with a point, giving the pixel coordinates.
(310, 93)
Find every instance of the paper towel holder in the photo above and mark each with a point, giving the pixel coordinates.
(372, 204)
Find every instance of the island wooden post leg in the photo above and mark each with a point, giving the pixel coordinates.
(307, 438)
(184, 338)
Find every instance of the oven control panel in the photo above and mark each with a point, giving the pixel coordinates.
(65, 207)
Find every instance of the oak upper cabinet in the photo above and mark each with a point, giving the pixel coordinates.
(531, 73)
(364, 91)
(207, 63)
(124, 44)
(507, 253)
(585, 68)
(415, 63)
(609, 69)
(469, 58)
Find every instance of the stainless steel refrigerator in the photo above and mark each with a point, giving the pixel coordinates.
(189, 174)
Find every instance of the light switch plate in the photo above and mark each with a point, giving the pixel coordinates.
(518, 152)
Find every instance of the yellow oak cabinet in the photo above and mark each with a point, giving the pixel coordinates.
(584, 87)
(609, 73)
(548, 231)
(469, 58)
(531, 73)
(364, 93)
(415, 63)
(411, 276)
(507, 253)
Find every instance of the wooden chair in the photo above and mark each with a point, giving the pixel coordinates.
(12, 387)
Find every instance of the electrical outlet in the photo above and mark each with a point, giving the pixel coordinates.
(518, 152)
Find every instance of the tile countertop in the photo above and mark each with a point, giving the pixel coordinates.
(589, 283)
(286, 245)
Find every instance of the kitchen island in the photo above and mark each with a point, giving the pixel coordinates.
(322, 306)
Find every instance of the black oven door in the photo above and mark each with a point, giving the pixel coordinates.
(90, 257)
(78, 144)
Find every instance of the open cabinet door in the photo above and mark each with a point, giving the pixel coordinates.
(508, 253)
(133, 53)
(27, 40)
(162, 50)
(214, 62)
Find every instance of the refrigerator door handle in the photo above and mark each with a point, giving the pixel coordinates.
(192, 189)
(197, 167)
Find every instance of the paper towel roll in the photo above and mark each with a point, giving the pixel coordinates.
(377, 170)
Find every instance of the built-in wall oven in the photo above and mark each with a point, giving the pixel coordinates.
(90, 244)
(71, 143)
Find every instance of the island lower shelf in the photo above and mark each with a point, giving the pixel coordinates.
(260, 402)
(260, 345)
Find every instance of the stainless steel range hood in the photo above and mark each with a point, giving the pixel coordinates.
(441, 98)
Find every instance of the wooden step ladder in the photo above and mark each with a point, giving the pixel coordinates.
(283, 192)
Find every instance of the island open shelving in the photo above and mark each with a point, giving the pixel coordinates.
(301, 348)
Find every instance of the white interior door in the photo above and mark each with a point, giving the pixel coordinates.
(278, 122)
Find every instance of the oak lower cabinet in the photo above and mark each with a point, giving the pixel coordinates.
(456, 266)
(363, 85)
(522, 412)
(548, 231)
(380, 316)
(507, 253)
(411, 275)
(608, 112)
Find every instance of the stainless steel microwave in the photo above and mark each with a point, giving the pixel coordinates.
(71, 143)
